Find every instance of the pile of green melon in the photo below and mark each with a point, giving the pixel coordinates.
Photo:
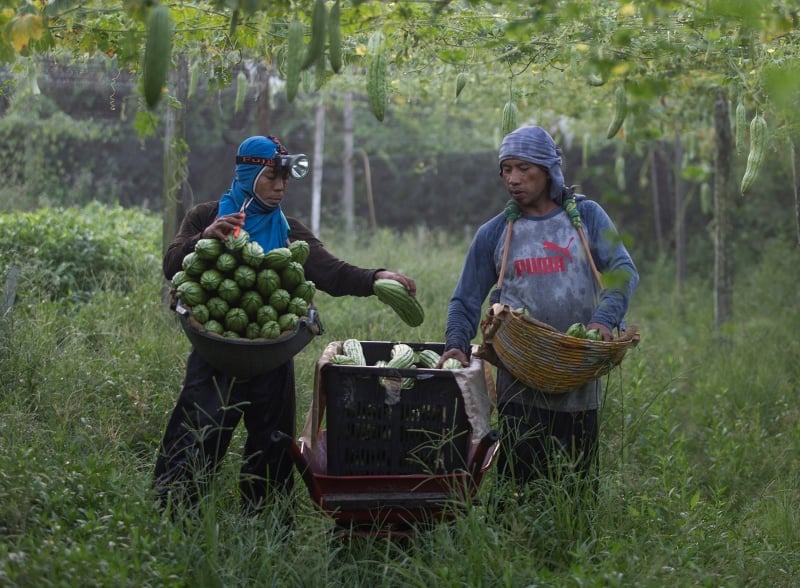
(234, 288)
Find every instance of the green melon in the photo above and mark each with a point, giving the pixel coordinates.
(267, 281)
(200, 313)
(298, 306)
(217, 308)
(253, 254)
(288, 321)
(214, 326)
(253, 331)
(270, 330)
(278, 258)
(236, 320)
(251, 302)
(193, 265)
(209, 249)
(191, 293)
(179, 278)
(300, 251)
(245, 276)
(266, 314)
(292, 276)
(211, 279)
(237, 242)
(226, 263)
(229, 291)
(279, 300)
(305, 290)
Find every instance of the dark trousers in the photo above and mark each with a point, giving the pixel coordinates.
(199, 431)
(538, 443)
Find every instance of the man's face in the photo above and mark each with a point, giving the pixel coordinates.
(527, 183)
(271, 186)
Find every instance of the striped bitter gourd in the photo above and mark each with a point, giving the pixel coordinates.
(758, 145)
(394, 294)
(316, 46)
(427, 358)
(157, 53)
(376, 76)
(353, 349)
(620, 111)
(294, 58)
(461, 81)
(402, 356)
(335, 37)
(241, 91)
(509, 122)
(452, 364)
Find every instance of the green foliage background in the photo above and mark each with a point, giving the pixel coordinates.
(699, 481)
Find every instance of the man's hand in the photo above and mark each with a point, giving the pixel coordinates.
(604, 331)
(222, 226)
(454, 353)
(407, 282)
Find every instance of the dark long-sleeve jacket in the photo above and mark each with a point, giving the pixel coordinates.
(329, 273)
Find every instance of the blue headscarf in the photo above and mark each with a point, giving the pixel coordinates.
(535, 145)
(265, 224)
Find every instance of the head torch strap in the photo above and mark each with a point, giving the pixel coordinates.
(252, 160)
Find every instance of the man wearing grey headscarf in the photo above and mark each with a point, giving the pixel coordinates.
(548, 273)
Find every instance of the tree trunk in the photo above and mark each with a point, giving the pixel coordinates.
(175, 189)
(723, 262)
(317, 163)
(662, 188)
(656, 208)
(796, 188)
(348, 196)
(368, 182)
(680, 213)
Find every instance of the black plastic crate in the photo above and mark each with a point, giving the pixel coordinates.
(374, 431)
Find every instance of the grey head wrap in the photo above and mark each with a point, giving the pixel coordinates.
(535, 145)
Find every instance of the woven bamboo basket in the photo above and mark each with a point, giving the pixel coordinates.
(543, 357)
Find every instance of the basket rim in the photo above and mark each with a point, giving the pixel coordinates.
(310, 322)
(246, 358)
(631, 334)
(510, 337)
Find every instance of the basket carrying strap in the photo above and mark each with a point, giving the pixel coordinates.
(571, 207)
(505, 255)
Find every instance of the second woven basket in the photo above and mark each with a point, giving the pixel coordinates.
(543, 357)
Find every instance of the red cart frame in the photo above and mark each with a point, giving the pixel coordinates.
(387, 505)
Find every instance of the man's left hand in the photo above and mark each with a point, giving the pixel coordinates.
(604, 331)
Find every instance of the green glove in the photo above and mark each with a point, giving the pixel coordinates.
(512, 211)
(572, 211)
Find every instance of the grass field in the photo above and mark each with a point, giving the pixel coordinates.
(700, 482)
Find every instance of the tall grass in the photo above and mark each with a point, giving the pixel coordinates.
(700, 484)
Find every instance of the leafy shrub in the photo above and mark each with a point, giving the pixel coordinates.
(67, 253)
(51, 158)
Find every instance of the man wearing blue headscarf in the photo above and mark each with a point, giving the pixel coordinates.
(211, 403)
(264, 219)
(548, 273)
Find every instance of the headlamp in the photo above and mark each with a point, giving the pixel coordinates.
(296, 165)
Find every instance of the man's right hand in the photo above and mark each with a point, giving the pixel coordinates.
(454, 353)
(222, 226)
